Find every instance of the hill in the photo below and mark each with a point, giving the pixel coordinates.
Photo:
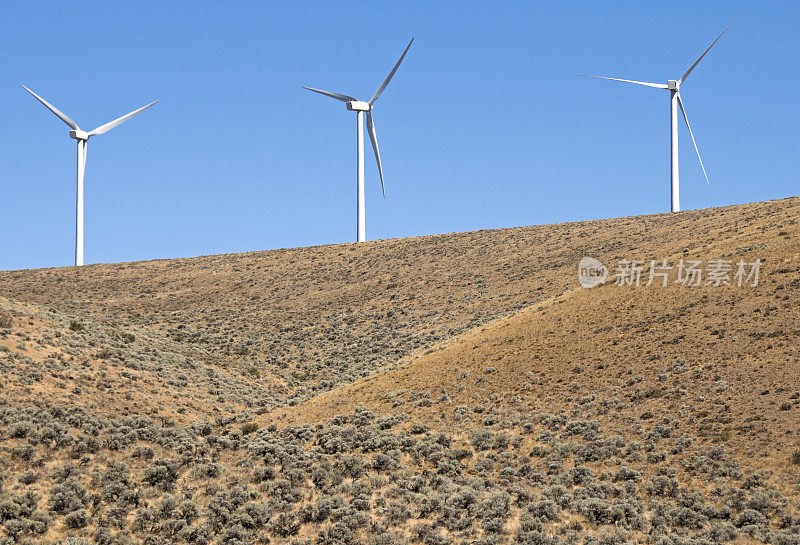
(308, 319)
(725, 356)
(448, 389)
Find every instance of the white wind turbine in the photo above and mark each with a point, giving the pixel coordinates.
(82, 137)
(674, 87)
(358, 106)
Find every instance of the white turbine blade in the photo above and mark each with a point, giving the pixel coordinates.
(337, 96)
(63, 117)
(108, 126)
(656, 85)
(686, 118)
(689, 71)
(374, 139)
(390, 76)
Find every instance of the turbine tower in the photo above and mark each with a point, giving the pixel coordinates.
(675, 102)
(82, 138)
(360, 107)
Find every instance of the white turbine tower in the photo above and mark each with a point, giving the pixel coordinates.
(358, 106)
(82, 138)
(674, 87)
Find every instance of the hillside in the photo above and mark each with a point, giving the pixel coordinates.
(726, 357)
(56, 359)
(311, 318)
(455, 388)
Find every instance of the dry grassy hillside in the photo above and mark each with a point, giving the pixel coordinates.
(447, 389)
(312, 318)
(50, 358)
(722, 362)
(736, 346)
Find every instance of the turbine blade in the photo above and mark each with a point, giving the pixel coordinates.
(63, 117)
(337, 96)
(656, 85)
(390, 76)
(686, 118)
(692, 67)
(374, 139)
(108, 126)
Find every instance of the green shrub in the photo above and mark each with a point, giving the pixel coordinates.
(68, 496)
(29, 477)
(249, 427)
(20, 429)
(161, 473)
(284, 525)
(102, 536)
(75, 325)
(76, 519)
(15, 528)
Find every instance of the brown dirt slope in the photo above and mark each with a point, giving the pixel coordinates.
(47, 357)
(724, 362)
(448, 389)
(308, 319)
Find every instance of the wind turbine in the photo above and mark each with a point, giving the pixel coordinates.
(674, 88)
(360, 107)
(82, 138)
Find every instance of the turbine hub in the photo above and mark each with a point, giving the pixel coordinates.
(672, 85)
(79, 134)
(358, 106)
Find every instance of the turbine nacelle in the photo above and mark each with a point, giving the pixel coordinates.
(673, 85)
(358, 106)
(78, 134)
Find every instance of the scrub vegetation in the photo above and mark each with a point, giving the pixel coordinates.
(449, 389)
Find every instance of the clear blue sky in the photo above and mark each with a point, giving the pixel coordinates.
(486, 123)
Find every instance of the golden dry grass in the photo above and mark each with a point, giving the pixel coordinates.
(738, 385)
(483, 337)
(305, 320)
